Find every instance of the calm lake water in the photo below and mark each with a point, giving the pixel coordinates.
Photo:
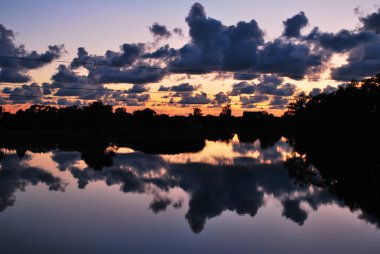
(230, 197)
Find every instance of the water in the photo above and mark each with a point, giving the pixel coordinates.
(230, 197)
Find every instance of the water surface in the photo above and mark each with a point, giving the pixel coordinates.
(229, 197)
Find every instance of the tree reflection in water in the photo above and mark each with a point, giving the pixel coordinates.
(249, 169)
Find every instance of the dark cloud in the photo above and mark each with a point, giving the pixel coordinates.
(363, 61)
(159, 31)
(178, 31)
(184, 87)
(66, 102)
(117, 67)
(67, 82)
(242, 88)
(278, 103)
(15, 70)
(141, 98)
(294, 25)
(164, 52)
(215, 46)
(327, 90)
(13, 75)
(25, 94)
(342, 41)
(66, 75)
(221, 98)
(250, 101)
(274, 85)
(361, 44)
(139, 75)
(201, 98)
(269, 85)
(245, 76)
(164, 88)
(131, 99)
(137, 89)
(3, 101)
(289, 60)
(315, 91)
(128, 55)
(371, 22)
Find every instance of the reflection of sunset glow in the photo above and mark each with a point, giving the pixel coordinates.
(225, 177)
(123, 150)
(222, 153)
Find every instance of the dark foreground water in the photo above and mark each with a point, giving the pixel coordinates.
(230, 197)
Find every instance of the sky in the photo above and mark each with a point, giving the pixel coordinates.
(210, 45)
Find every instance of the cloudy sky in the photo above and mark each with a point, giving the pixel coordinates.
(173, 56)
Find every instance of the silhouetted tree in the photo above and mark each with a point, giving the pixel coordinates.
(226, 111)
(298, 105)
(197, 112)
(146, 113)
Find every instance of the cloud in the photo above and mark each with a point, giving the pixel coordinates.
(184, 87)
(315, 91)
(294, 25)
(342, 41)
(67, 82)
(214, 46)
(371, 22)
(13, 75)
(130, 52)
(194, 99)
(363, 61)
(159, 31)
(164, 52)
(137, 89)
(119, 67)
(250, 101)
(274, 85)
(221, 98)
(289, 60)
(245, 76)
(178, 31)
(327, 90)
(269, 85)
(278, 103)
(164, 88)
(242, 88)
(14, 70)
(66, 102)
(241, 47)
(25, 94)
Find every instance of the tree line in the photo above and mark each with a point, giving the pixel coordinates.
(352, 106)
